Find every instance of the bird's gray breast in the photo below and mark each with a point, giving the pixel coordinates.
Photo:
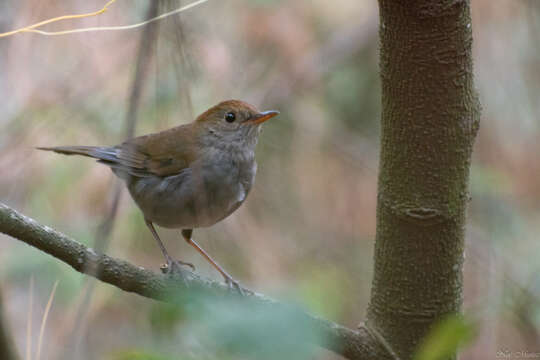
(227, 181)
(209, 190)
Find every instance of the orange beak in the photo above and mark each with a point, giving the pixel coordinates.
(262, 117)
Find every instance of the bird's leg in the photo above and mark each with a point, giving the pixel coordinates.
(171, 263)
(186, 233)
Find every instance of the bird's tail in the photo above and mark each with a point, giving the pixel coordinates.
(105, 154)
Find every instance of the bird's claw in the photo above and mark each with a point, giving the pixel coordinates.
(174, 266)
(186, 264)
(231, 283)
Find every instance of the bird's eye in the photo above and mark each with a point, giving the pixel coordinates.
(230, 117)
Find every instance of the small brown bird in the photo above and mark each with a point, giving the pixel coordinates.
(189, 176)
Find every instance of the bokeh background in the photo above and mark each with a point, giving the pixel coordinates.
(305, 234)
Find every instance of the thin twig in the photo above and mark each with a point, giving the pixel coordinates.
(29, 320)
(58, 18)
(182, 65)
(44, 320)
(146, 43)
(113, 28)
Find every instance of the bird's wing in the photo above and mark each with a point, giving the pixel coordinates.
(161, 154)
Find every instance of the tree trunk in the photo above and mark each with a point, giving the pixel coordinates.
(430, 118)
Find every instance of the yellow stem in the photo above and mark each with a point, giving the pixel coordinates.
(59, 18)
(102, 28)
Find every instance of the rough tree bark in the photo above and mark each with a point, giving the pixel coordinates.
(430, 118)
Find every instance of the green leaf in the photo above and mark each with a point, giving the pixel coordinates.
(238, 329)
(445, 338)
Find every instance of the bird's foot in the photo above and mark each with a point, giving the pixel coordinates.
(174, 266)
(231, 283)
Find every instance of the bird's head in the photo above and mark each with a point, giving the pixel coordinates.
(232, 123)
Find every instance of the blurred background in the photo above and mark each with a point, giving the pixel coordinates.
(305, 235)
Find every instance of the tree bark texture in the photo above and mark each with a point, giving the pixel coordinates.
(430, 118)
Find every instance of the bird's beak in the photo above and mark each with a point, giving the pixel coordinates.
(263, 116)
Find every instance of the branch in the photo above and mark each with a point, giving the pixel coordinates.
(102, 238)
(185, 289)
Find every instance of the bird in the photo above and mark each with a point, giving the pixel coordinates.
(189, 176)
